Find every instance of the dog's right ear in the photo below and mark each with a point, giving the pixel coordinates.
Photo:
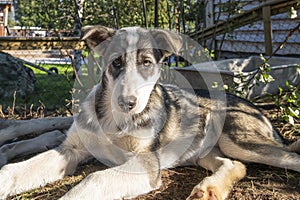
(97, 37)
(168, 41)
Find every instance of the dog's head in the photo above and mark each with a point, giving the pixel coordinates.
(132, 58)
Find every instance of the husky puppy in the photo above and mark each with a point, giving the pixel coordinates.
(138, 126)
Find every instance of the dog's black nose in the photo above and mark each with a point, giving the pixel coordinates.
(127, 103)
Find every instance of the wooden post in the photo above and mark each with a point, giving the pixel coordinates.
(209, 14)
(266, 11)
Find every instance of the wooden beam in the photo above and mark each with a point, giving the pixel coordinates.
(47, 43)
(250, 16)
(266, 12)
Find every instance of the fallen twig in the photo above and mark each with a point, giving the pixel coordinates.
(35, 145)
(10, 129)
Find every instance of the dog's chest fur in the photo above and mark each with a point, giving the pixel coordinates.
(170, 115)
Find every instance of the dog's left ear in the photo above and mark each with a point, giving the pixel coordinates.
(168, 41)
(97, 36)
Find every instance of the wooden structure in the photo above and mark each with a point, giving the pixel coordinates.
(260, 27)
(5, 7)
(40, 43)
(41, 49)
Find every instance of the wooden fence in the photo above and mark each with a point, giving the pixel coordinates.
(263, 12)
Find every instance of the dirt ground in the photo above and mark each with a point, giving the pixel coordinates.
(261, 183)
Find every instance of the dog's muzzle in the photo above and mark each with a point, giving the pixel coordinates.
(127, 103)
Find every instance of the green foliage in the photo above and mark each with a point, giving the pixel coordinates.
(61, 14)
(289, 103)
(51, 92)
(231, 6)
(292, 13)
(244, 82)
(287, 100)
(210, 53)
(46, 14)
(263, 72)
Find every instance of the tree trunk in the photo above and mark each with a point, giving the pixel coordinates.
(77, 31)
(38, 144)
(156, 13)
(145, 13)
(11, 129)
(115, 14)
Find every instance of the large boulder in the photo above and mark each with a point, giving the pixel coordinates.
(14, 76)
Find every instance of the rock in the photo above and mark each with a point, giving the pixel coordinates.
(14, 76)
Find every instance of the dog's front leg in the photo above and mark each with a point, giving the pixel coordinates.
(35, 172)
(225, 173)
(137, 176)
(44, 168)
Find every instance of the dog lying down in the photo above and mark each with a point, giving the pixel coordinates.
(138, 126)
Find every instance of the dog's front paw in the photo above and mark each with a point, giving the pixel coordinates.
(110, 184)
(205, 193)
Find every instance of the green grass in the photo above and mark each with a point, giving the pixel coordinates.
(52, 92)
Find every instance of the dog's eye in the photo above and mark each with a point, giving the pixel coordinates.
(147, 63)
(117, 63)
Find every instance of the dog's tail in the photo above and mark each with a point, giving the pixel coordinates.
(294, 147)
